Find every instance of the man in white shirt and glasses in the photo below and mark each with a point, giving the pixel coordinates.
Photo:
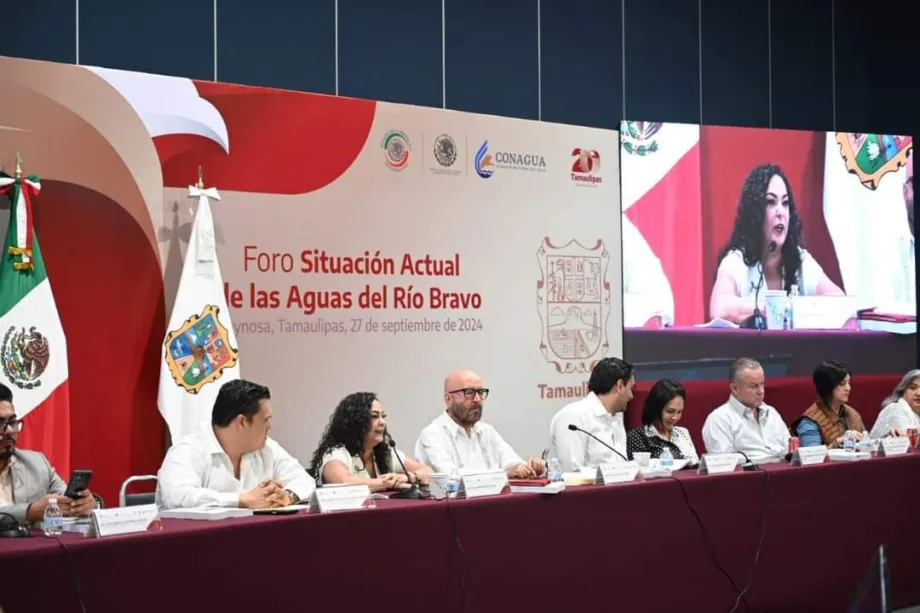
(600, 413)
(458, 441)
(745, 423)
(232, 462)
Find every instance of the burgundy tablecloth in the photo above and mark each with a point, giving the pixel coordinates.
(632, 547)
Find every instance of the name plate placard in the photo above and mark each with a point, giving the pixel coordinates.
(482, 484)
(616, 473)
(717, 463)
(894, 445)
(806, 456)
(124, 520)
(340, 498)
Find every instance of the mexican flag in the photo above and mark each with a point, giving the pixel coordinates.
(34, 350)
(660, 170)
(199, 353)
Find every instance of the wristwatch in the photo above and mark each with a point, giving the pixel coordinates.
(294, 497)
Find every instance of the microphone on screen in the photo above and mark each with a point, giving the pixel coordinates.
(413, 491)
(757, 320)
(575, 428)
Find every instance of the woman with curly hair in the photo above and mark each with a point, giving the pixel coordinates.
(767, 229)
(354, 449)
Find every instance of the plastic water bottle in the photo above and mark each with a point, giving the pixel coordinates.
(789, 319)
(849, 441)
(666, 459)
(53, 522)
(453, 482)
(553, 470)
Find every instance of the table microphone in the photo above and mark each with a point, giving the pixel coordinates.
(575, 428)
(748, 464)
(412, 492)
(756, 320)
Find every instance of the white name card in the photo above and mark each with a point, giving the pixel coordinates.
(339, 498)
(616, 473)
(482, 484)
(895, 445)
(716, 463)
(842, 455)
(124, 520)
(806, 456)
(823, 312)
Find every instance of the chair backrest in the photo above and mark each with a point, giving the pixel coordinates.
(129, 500)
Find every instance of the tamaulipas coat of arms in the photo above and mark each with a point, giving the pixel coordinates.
(573, 300)
(199, 351)
(872, 156)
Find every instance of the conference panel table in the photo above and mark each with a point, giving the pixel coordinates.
(625, 547)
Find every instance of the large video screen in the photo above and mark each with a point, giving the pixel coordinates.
(776, 231)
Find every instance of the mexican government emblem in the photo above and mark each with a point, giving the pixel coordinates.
(25, 356)
(199, 351)
(871, 156)
(637, 137)
(573, 300)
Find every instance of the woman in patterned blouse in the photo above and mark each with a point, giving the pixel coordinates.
(659, 430)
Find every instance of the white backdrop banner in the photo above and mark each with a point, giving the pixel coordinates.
(452, 241)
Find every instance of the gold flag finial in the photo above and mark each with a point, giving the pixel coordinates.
(18, 165)
(200, 179)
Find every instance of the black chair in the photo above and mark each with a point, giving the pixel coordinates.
(131, 500)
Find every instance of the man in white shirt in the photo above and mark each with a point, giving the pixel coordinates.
(458, 441)
(600, 413)
(745, 424)
(232, 462)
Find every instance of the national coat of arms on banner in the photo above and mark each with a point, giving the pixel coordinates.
(25, 356)
(573, 300)
(199, 351)
(637, 137)
(872, 156)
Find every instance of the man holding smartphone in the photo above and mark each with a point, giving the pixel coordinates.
(27, 479)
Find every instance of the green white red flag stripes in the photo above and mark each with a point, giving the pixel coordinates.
(33, 348)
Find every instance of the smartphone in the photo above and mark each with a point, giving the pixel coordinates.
(79, 482)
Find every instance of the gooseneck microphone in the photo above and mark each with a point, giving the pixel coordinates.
(748, 464)
(757, 320)
(412, 492)
(575, 428)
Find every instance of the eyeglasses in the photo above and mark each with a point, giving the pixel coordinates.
(14, 424)
(470, 392)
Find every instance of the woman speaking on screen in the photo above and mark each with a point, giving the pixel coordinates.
(767, 233)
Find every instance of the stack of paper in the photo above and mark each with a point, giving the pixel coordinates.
(207, 513)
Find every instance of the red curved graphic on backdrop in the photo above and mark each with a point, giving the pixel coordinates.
(109, 292)
(281, 142)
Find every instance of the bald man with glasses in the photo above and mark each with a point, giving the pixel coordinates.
(459, 441)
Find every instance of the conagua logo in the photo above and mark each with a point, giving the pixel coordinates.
(199, 351)
(483, 164)
(573, 301)
(637, 137)
(25, 356)
(486, 163)
(872, 156)
(396, 148)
